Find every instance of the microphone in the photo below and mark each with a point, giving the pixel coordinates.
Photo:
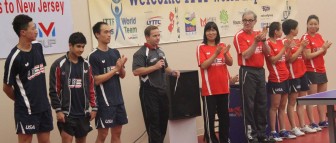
(161, 57)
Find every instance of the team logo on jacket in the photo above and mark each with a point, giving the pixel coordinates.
(27, 64)
(85, 71)
(75, 83)
(103, 61)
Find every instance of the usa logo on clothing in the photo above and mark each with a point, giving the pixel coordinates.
(75, 83)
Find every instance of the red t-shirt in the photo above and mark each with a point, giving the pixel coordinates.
(315, 43)
(297, 68)
(278, 72)
(242, 41)
(215, 79)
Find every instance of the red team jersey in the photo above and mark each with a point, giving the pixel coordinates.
(215, 79)
(315, 43)
(278, 72)
(242, 41)
(297, 68)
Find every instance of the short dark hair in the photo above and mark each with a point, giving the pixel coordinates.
(313, 17)
(274, 26)
(96, 27)
(21, 22)
(77, 38)
(207, 27)
(289, 25)
(149, 29)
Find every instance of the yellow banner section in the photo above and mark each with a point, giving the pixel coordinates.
(182, 20)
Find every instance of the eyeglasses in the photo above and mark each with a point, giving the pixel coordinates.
(248, 20)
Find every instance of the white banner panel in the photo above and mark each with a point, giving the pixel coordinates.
(181, 20)
(53, 21)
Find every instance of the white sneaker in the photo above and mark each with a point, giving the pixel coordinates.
(286, 134)
(296, 131)
(307, 129)
(315, 126)
(275, 136)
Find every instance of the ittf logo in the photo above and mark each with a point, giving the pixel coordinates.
(46, 30)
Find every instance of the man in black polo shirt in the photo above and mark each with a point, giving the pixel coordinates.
(24, 83)
(150, 64)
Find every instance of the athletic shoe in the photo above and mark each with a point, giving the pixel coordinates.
(307, 129)
(286, 134)
(315, 127)
(323, 124)
(275, 136)
(267, 140)
(262, 137)
(251, 140)
(296, 131)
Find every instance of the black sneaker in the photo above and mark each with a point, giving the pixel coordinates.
(262, 138)
(267, 140)
(253, 140)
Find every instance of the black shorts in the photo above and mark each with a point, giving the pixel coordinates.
(34, 123)
(278, 88)
(299, 84)
(317, 78)
(75, 126)
(111, 116)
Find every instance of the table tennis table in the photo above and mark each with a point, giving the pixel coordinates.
(323, 98)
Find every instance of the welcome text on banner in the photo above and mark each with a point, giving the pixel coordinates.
(181, 20)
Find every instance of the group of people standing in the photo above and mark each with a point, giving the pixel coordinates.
(83, 89)
(296, 68)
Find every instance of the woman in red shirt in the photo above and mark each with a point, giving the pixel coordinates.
(316, 72)
(277, 80)
(298, 81)
(213, 58)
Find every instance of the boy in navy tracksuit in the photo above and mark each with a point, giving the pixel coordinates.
(72, 91)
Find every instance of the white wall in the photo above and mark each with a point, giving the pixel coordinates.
(181, 56)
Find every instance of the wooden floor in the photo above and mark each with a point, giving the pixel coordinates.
(319, 137)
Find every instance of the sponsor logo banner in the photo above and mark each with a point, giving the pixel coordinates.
(181, 20)
(52, 18)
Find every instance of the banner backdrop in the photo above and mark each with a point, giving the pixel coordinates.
(52, 18)
(181, 20)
